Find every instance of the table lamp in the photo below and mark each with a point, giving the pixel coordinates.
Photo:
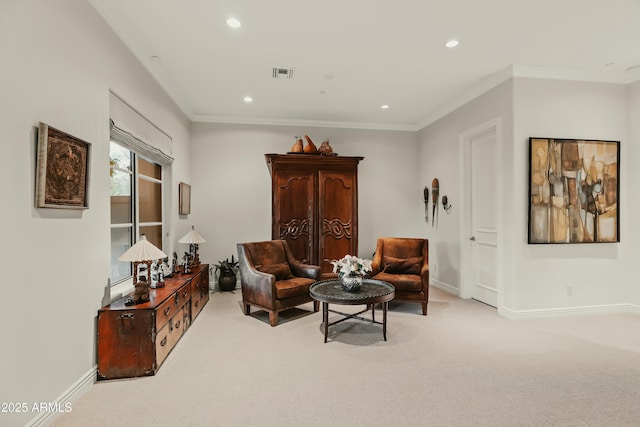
(143, 252)
(193, 239)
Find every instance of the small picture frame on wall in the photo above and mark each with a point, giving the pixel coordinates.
(62, 170)
(184, 196)
(574, 191)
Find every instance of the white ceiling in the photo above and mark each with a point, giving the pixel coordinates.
(352, 56)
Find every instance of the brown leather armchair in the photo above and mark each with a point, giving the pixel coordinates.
(404, 262)
(272, 280)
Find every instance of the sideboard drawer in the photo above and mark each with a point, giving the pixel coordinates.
(196, 305)
(168, 336)
(183, 294)
(165, 312)
(195, 285)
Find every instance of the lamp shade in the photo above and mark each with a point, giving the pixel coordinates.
(192, 237)
(143, 250)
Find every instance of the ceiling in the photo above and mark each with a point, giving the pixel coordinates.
(350, 57)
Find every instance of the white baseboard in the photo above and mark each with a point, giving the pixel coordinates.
(548, 312)
(443, 286)
(568, 311)
(72, 394)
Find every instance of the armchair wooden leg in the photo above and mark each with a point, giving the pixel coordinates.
(424, 308)
(316, 306)
(273, 318)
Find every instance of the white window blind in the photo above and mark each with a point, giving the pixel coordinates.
(134, 131)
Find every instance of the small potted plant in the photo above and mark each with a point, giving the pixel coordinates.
(227, 276)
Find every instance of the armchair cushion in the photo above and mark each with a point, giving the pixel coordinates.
(394, 265)
(293, 287)
(280, 270)
(402, 282)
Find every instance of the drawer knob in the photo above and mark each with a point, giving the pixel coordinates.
(163, 342)
(167, 310)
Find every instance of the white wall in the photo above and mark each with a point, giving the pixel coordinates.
(59, 60)
(231, 186)
(440, 158)
(535, 277)
(632, 150)
(598, 272)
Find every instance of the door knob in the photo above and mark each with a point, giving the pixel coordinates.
(472, 238)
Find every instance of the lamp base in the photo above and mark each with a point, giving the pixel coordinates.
(141, 293)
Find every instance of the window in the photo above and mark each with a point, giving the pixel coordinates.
(136, 205)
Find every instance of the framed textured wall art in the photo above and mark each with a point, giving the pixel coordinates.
(62, 177)
(184, 196)
(574, 189)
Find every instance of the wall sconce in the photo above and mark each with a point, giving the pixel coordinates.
(445, 204)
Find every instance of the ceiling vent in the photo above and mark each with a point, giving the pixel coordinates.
(283, 73)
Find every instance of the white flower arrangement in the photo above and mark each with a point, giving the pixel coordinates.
(351, 265)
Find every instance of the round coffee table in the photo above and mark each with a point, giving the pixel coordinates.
(371, 292)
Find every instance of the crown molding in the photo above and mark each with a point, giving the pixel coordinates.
(306, 123)
(604, 76)
(486, 85)
(596, 76)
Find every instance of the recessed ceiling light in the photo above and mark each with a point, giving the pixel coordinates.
(322, 92)
(233, 23)
(385, 107)
(156, 58)
(248, 99)
(452, 43)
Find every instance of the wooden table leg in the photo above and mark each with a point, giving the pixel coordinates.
(325, 319)
(385, 307)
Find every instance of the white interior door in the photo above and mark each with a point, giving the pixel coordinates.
(483, 236)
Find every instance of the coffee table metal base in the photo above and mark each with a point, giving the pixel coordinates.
(347, 316)
(371, 293)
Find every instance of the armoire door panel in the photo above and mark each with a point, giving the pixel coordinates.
(337, 207)
(294, 219)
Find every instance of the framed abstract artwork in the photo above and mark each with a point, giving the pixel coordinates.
(574, 191)
(184, 196)
(62, 177)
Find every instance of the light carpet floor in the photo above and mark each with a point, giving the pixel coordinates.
(462, 365)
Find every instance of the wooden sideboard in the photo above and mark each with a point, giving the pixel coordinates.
(315, 206)
(134, 340)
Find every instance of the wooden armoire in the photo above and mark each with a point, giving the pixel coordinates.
(314, 202)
